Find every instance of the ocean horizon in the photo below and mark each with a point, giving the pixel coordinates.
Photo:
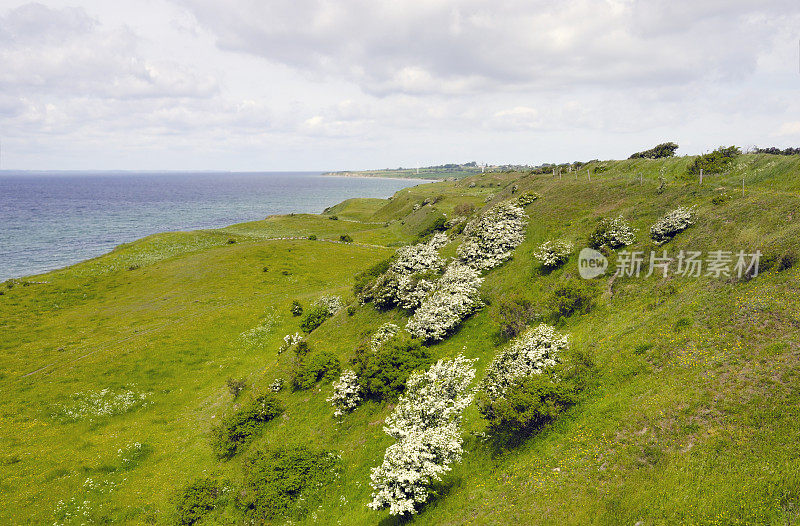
(53, 219)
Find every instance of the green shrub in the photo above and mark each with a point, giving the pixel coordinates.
(382, 374)
(321, 366)
(666, 149)
(439, 224)
(236, 386)
(333, 218)
(285, 482)
(778, 262)
(314, 317)
(238, 428)
(351, 310)
(312, 237)
(570, 298)
(197, 499)
(715, 162)
(527, 406)
(345, 238)
(532, 402)
(513, 315)
(296, 308)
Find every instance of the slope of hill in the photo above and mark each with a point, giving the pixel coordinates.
(114, 370)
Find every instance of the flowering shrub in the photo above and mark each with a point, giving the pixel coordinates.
(289, 341)
(553, 254)
(276, 386)
(671, 224)
(346, 393)
(527, 198)
(296, 308)
(410, 277)
(454, 297)
(491, 237)
(426, 424)
(324, 308)
(531, 353)
(89, 405)
(382, 335)
(614, 233)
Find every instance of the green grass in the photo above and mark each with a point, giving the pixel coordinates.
(693, 417)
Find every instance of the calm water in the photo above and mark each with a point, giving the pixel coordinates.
(50, 220)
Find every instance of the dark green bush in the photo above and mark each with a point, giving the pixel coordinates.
(275, 480)
(666, 149)
(296, 308)
(363, 279)
(312, 237)
(238, 428)
(382, 374)
(439, 224)
(197, 499)
(513, 315)
(351, 310)
(527, 406)
(314, 318)
(345, 238)
(778, 261)
(570, 298)
(715, 162)
(321, 366)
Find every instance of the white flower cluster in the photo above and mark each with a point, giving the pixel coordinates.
(527, 198)
(454, 297)
(426, 424)
(256, 338)
(276, 385)
(672, 223)
(346, 393)
(530, 353)
(92, 404)
(382, 335)
(553, 253)
(491, 237)
(332, 304)
(409, 280)
(618, 233)
(289, 341)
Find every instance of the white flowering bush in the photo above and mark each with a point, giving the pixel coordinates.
(532, 352)
(426, 424)
(332, 304)
(346, 393)
(382, 335)
(411, 276)
(491, 237)
(671, 224)
(455, 296)
(553, 254)
(289, 341)
(527, 198)
(615, 233)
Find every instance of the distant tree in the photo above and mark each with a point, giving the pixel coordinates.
(666, 149)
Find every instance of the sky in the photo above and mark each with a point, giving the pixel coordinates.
(250, 85)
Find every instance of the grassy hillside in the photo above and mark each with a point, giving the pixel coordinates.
(691, 417)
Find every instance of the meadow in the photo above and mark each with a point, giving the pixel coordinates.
(113, 371)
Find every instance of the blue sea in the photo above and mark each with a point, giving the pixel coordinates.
(49, 220)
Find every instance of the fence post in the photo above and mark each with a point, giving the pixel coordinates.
(701, 176)
(589, 175)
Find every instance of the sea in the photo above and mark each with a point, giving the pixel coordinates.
(49, 220)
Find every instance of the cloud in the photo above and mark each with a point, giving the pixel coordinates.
(468, 46)
(66, 52)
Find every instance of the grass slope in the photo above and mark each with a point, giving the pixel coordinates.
(693, 417)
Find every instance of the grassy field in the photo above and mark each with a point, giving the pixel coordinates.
(692, 417)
